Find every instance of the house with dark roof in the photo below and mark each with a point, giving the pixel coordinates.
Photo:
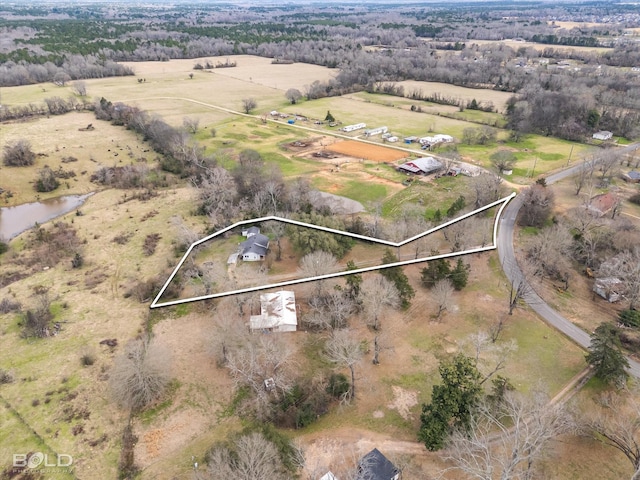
(631, 177)
(254, 248)
(375, 466)
(602, 204)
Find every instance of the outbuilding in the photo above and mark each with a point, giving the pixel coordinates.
(603, 135)
(421, 166)
(277, 313)
(631, 177)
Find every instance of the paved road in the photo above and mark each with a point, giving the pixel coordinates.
(514, 274)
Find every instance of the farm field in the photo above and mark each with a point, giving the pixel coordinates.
(101, 300)
(481, 95)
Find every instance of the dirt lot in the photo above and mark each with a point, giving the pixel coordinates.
(374, 153)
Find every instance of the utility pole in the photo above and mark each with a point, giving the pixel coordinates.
(570, 153)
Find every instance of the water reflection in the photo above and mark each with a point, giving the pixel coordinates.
(15, 220)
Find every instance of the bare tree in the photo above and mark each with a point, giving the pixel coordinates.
(381, 342)
(548, 253)
(318, 263)
(228, 333)
(615, 421)
(293, 95)
(330, 311)
(518, 284)
(443, 295)
(608, 163)
(248, 104)
(80, 87)
(217, 193)
(185, 236)
(487, 188)
(250, 457)
(278, 230)
(505, 442)
(344, 349)
(376, 294)
(191, 124)
(457, 235)
(18, 154)
(584, 175)
(263, 365)
(537, 203)
(140, 374)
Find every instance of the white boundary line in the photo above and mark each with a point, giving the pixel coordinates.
(502, 201)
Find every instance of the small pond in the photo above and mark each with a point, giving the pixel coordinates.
(15, 220)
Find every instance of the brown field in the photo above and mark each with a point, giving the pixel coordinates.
(374, 153)
(482, 95)
(515, 44)
(250, 69)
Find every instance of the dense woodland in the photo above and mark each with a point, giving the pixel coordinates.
(368, 43)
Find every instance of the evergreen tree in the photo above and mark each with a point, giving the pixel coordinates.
(451, 402)
(605, 354)
(456, 206)
(435, 270)
(460, 275)
(329, 117)
(353, 281)
(399, 279)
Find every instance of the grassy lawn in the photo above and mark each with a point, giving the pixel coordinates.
(437, 194)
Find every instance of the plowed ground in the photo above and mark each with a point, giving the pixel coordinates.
(374, 153)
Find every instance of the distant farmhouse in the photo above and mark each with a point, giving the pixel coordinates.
(603, 135)
(277, 313)
(421, 166)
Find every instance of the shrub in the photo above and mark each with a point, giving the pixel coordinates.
(36, 322)
(87, 358)
(18, 154)
(77, 260)
(47, 181)
(8, 306)
(635, 199)
(150, 244)
(4, 246)
(338, 385)
(5, 376)
(630, 318)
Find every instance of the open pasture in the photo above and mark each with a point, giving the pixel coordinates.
(57, 141)
(481, 95)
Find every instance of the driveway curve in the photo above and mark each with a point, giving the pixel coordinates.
(511, 269)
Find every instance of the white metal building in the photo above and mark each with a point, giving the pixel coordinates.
(277, 313)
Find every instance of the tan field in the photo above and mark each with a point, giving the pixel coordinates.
(482, 95)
